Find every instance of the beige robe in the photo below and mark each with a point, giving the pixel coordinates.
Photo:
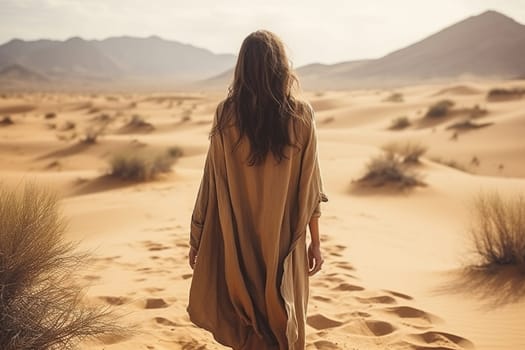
(250, 282)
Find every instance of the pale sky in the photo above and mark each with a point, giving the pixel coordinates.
(326, 31)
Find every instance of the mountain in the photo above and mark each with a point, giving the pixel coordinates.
(318, 75)
(17, 72)
(156, 57)
(308, 75)
(487, 45)
(152, 60)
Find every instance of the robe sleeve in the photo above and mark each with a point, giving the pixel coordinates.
(311, 156)
(205, 191)
(201, 205)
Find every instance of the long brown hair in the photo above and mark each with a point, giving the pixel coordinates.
(261, 98)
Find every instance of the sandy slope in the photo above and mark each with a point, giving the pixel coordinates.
(393, 277)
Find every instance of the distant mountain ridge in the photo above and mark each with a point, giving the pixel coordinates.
(141, 59)
(489, 45)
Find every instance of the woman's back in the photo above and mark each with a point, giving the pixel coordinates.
(250, 283)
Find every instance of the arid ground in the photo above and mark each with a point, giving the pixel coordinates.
(394, 276)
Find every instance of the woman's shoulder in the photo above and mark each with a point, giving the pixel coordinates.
(223, 112)
(304, 115)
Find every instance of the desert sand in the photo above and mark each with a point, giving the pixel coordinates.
(394, 275)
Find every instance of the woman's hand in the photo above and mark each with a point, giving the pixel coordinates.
(192, 256)
(315, 259)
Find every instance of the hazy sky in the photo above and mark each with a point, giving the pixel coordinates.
(314, 30)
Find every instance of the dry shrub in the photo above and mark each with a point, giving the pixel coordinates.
(6, 120)
(40, 304)
(68, 125)
(143, 166)
(439, 109)
(389, 168)
(498, 229)
(410, 152)
(93, 110)
(399, 123)
(467, 124)
(138, 122)
(50, 115)
(92, 133)
(499, 94)
(175, 152)
(394, 97)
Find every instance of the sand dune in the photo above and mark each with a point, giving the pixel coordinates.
(393, 277)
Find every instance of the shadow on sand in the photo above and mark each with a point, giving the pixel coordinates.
(495, 287)
(99, 184)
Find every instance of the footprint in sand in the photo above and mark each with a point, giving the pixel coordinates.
(155, 303)
(347, 287)
(319, 321)
(438, 340)
(157, 247)
(154, 246)
(415, 315)
(344, 265)
(165, 322)
(360, 314)
(399, 295)
(326, 345)
(370, 328)
(321, 298)
(153, 289)
(383, 299)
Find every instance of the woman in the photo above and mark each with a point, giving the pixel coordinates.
(260, 190)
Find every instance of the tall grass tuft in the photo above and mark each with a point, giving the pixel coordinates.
(439, 109)
(498, 229)
(143, 166)
(389, 169)
(410, 152)
(41, 306)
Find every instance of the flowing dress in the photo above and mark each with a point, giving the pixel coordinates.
(250, 280)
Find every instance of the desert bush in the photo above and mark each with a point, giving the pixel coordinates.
(498, 229)
(143, 166)
(388, 168)
(439, 109)
(399, 123)
(68, 125)
(175, 152)
(467, 125)
(6, 120)
(104, 117)
(498, 94)
(92, 133)
(50, 115)
(138, 122)
(40, 304)
(410, 152)
(395, 97)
